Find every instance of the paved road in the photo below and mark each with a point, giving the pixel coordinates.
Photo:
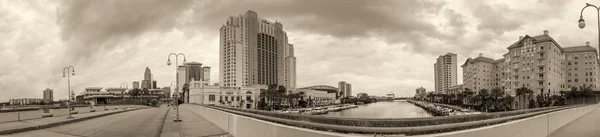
(140, 123)
(33, 114)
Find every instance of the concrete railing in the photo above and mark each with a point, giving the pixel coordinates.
(41, 113)
(537, 126)
(238, 125)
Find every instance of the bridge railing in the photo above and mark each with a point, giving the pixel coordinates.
(411, 126)
(389, 122)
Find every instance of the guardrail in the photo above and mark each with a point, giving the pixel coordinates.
(408, 130)
(26, 114)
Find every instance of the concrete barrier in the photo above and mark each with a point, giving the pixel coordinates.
(46, 112)
(537, 126)
(241, 126)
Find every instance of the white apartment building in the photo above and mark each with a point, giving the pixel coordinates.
(538, 63)
(255, 51)
(445, 72)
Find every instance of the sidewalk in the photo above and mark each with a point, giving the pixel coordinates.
(586, 126)
(35, 124)
(192, 124)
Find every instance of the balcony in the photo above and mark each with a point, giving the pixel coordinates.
(541, 71)
(541, 64)
(542, 57)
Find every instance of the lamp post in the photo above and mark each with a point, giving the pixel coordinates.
(176, 75)
(66, 69)
(123, 94)
(582, 22)
(172, 91)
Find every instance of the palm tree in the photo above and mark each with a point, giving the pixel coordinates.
(484, 94)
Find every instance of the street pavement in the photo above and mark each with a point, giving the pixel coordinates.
(586, 126)
(139, 123)
(192, 124)
(34, 114)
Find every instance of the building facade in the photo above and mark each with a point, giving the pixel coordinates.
(535, 62)
(242, 97)
(206, 74)
(147, 82)
(420, 93)
(348, 89)
(445, 72)
(49, 94)
(26, 101)
(342, 88)
(252, 52)
(136, 84)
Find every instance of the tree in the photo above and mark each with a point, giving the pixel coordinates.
(341, 94)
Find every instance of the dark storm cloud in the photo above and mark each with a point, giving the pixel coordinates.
(90, 26)
(396, 22)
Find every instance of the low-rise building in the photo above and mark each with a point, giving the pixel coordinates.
(25, 101)
(457, 89)
(243, 97)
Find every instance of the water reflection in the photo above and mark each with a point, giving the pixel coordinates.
(392, 109)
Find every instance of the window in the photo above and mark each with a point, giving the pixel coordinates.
(211, 97)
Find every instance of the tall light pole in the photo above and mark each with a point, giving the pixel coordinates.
(66, 69)
(582, 22)
(123, 94)
(176, 75)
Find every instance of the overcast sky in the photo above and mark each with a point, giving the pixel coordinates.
(378, 46)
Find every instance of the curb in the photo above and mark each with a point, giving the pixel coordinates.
(38, 127)
(162, 127)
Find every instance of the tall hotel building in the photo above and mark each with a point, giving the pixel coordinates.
(255, 51)
(445, 72)
(536, 62)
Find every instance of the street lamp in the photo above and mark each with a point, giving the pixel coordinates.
(582, 22)
(176, 86)
(66, 69)
(123, 94)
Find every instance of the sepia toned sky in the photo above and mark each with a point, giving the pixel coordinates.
(377, 46)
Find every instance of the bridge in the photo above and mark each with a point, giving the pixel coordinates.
(201, 120)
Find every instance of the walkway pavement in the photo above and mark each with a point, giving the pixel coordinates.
(33, 124)
(192, 125)
(140, 123)
(586, 126)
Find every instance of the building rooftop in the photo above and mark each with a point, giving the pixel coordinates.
(580, 49)
(193, 63)
(93, 88)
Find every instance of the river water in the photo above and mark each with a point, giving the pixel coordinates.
(391, 109)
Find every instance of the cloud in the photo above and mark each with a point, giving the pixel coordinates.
(378, 46)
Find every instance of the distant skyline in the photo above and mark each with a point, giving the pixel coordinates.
(378, 46)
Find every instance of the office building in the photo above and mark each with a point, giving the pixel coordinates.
(535, 62)
(181, 78)
(342, 88)
(348, 90)
(445, 72)
(166, 91)
(206, 74)
(252, 52)
(136, 84)
(147, 82)
(290, 68)
(154, 84)
(48, 94)
(194, 71)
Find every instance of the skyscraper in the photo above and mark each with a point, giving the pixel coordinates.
(147, 82)
(194, 71)
(290, 67)
(253, 52)
(445, 72)
(181, 78)
(348, 90)
(48, 94)
(154, 84)
(206, 74)
(342, 88)
(136, 84)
